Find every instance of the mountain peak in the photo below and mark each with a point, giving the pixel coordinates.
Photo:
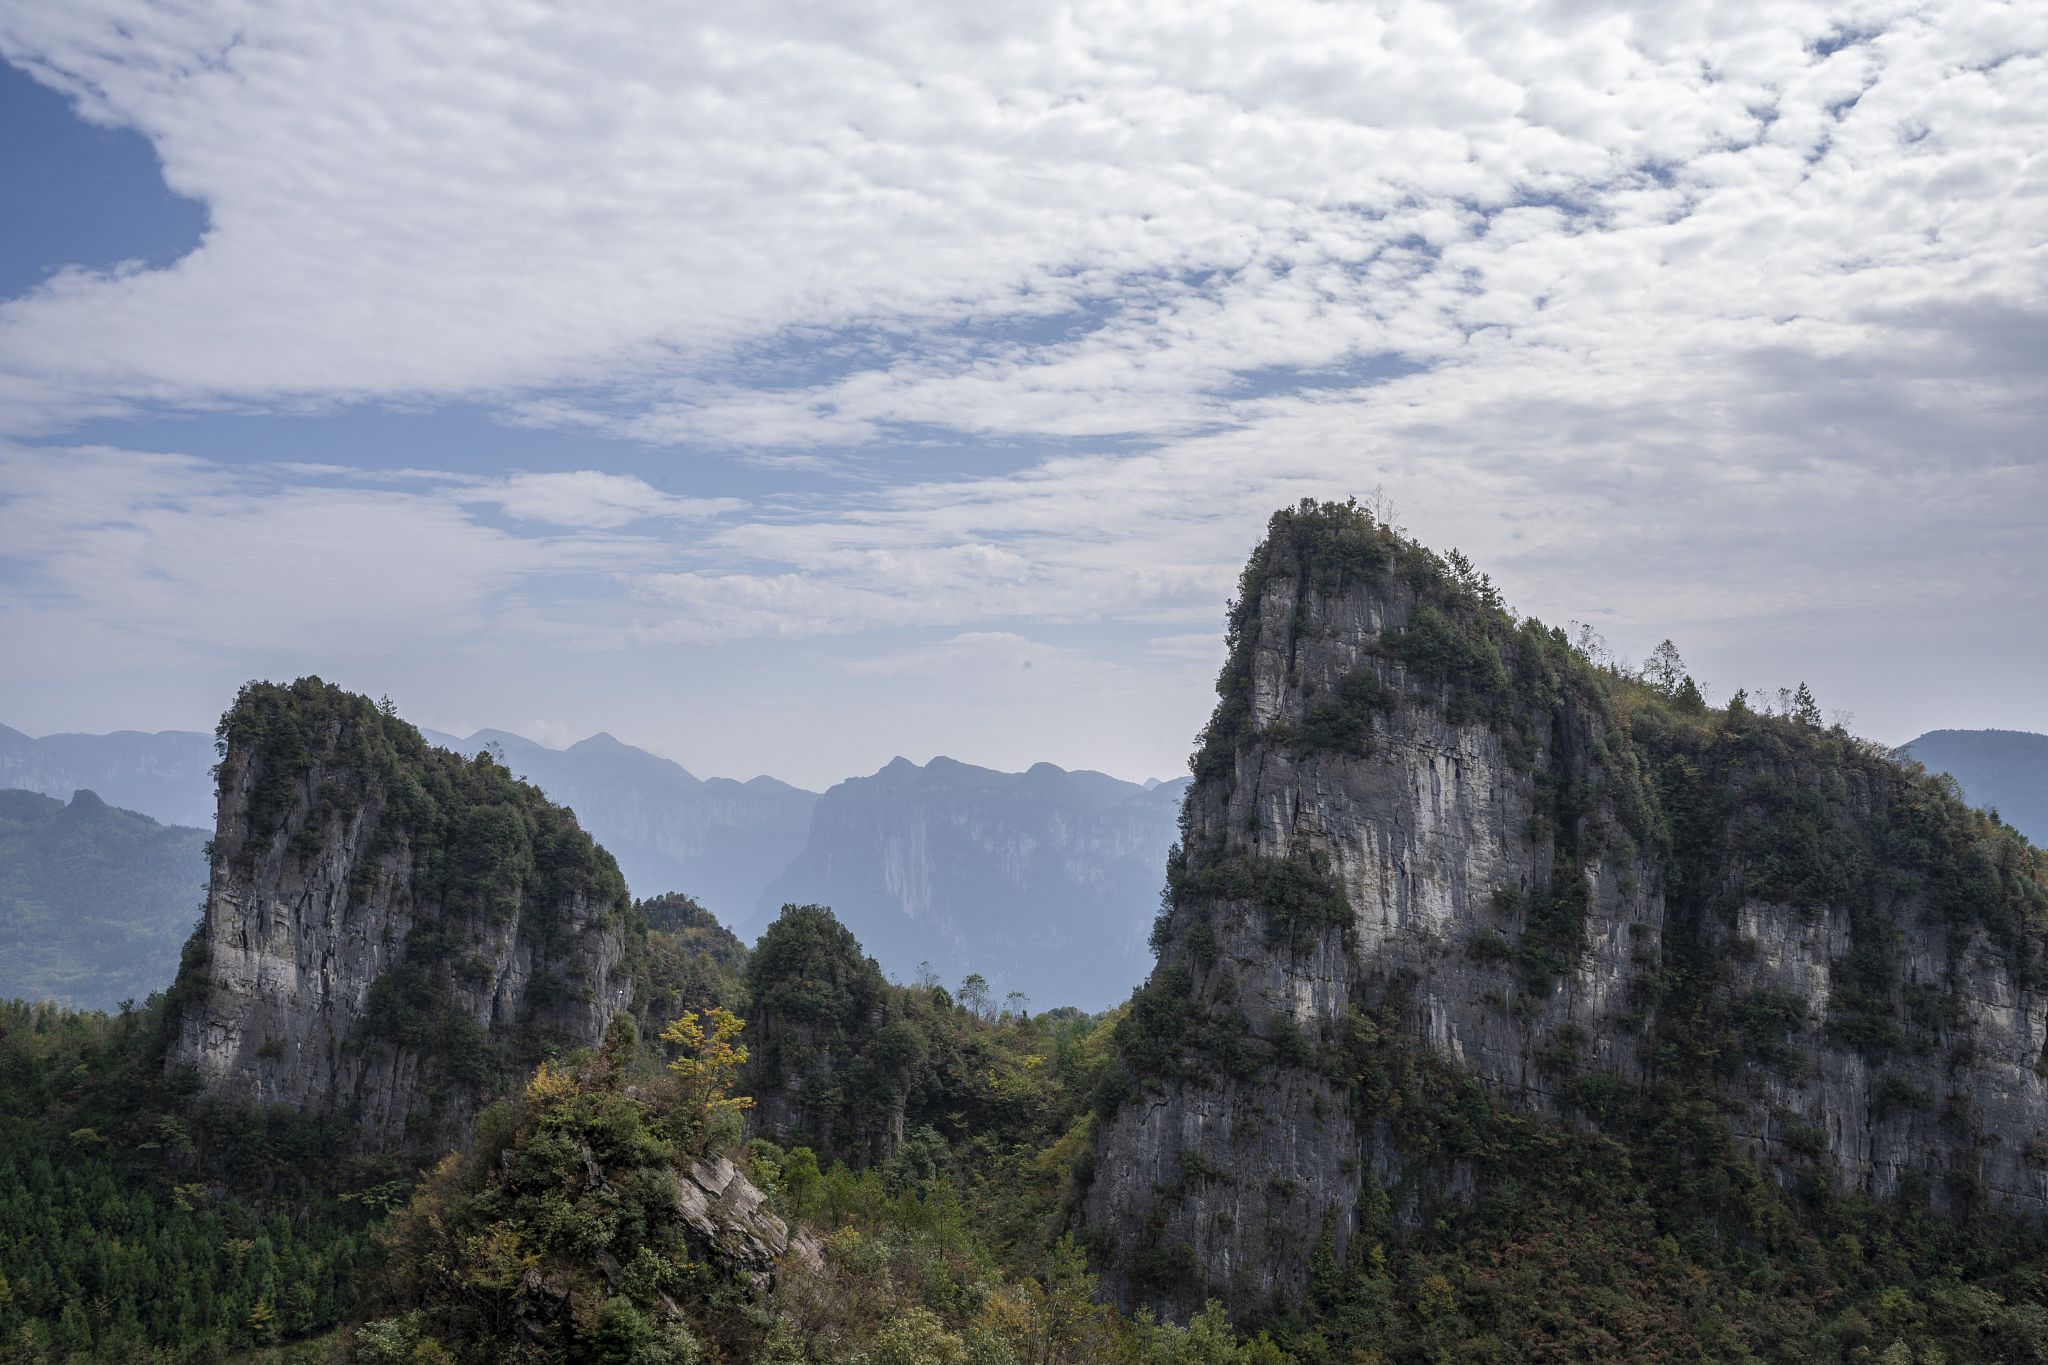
(1433, 833)
(254, 1035)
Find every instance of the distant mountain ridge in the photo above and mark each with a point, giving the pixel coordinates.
(717, 839)
(2002, 770)
(1044, 881)
(167, 776)
(94, 901)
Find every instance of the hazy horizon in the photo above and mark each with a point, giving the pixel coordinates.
(435, 734)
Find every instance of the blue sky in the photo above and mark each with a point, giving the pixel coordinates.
(786, 390)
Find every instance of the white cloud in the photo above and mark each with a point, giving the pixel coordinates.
(1224, 188)
(193, 556)
(982, 654)
(1727, 316)
(590, 498)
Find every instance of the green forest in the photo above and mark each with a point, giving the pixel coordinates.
(134, 1227)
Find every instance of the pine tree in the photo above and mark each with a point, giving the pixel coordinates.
(262, 1323)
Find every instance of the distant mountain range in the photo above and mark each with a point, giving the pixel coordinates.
(94, 901)
(167, 776)
(2002, 770)
(719, 840)
(1044, 882)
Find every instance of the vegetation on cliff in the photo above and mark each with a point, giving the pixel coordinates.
(1639, 1228)
(137, 1224)
(485, 893)
(948, 1252)
(1806, 814)
(937, 1145)
(564, 1234)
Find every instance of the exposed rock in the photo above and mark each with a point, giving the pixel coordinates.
(1480, 845)
(391, 932)
(730, 1217)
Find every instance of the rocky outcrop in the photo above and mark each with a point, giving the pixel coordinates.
(731, 1222)
(391, 931)
(1421, 823)
(830, 1057)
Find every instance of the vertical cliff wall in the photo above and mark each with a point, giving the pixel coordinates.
(1430, 847)
(391, 931)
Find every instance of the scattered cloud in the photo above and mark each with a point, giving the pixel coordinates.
(587, 497)
(1723, 319)
(197, 556)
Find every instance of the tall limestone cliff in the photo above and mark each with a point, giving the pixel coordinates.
(1436, 865)
(391, 931)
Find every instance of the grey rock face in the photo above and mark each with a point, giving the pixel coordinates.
(1442, 837)
(317, 990)
(730, 1217)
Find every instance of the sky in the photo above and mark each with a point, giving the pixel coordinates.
(786, 387)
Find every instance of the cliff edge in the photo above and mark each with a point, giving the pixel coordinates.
(392, 932)
(1436, 864)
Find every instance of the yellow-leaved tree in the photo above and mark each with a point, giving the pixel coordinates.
(708, 1065)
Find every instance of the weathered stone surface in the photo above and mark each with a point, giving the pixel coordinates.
(730, 1217)
(1437, 834)
(302, 921)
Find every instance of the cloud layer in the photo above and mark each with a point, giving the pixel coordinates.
(1723, 319)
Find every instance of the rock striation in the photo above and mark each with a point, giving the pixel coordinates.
(731, 1223)
(1424, 834)
(391, 931)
